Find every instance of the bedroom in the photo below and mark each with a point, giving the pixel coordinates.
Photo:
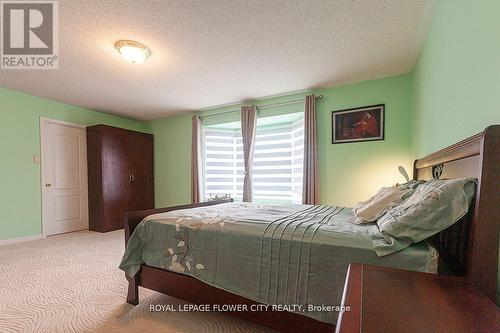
(336, 100)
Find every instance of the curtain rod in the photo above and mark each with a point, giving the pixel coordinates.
(266, 106)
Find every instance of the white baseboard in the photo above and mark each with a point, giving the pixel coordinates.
(20, 239)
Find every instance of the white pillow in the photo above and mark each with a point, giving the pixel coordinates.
(385, 199)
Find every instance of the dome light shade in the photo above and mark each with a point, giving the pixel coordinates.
(133, 52)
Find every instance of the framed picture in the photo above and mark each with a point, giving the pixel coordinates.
(358, 124)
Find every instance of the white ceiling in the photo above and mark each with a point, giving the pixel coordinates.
(208, 53)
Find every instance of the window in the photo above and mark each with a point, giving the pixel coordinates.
(222, 161)
(277, 166)
(278, 159)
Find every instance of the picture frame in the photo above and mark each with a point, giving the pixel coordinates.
(360, 124)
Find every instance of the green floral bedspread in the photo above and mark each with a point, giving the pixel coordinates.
(278, 255)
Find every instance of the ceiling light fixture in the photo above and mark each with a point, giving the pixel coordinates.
(133, 52)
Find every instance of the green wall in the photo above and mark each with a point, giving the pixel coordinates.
(456, 83)
(348, 172)
(344, 169)
(457, 78)
(20, 193)
(351, 172)
(172, 159)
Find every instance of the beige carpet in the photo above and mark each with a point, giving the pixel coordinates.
(71, 283)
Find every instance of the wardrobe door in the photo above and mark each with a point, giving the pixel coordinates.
(141, 161)
(115, 176)
(94, 167)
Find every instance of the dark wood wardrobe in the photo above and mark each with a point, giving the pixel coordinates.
(120, 172)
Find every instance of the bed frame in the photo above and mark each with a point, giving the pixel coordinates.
(469, 248)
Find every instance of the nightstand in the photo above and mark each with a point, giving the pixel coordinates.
(390, 300)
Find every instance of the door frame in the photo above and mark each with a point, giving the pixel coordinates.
(43, 154)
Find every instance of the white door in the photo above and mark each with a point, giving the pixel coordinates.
(64, 177)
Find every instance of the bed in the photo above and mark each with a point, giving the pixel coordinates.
(298, 255)
(293, 255)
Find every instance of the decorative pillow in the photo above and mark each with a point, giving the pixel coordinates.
(432, 207)
(386, 198)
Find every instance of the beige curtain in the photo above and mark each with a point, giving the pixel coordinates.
(195, 159)
(248, 127)
(310, 185)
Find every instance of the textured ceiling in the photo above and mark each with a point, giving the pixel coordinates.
(208, 53)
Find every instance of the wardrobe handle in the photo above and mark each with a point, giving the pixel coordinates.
(133, 177)
(129, 177)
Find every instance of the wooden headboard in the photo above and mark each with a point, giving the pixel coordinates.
(470, 247)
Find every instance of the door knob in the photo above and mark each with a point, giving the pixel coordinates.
(48, 185)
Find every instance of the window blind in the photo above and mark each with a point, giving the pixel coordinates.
(277, 167)
(222, 163)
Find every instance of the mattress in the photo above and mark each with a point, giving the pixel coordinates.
(293, 255)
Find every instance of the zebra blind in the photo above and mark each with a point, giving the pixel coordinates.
(222, 162)
(277, 165)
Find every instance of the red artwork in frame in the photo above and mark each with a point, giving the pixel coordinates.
(358, 124)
